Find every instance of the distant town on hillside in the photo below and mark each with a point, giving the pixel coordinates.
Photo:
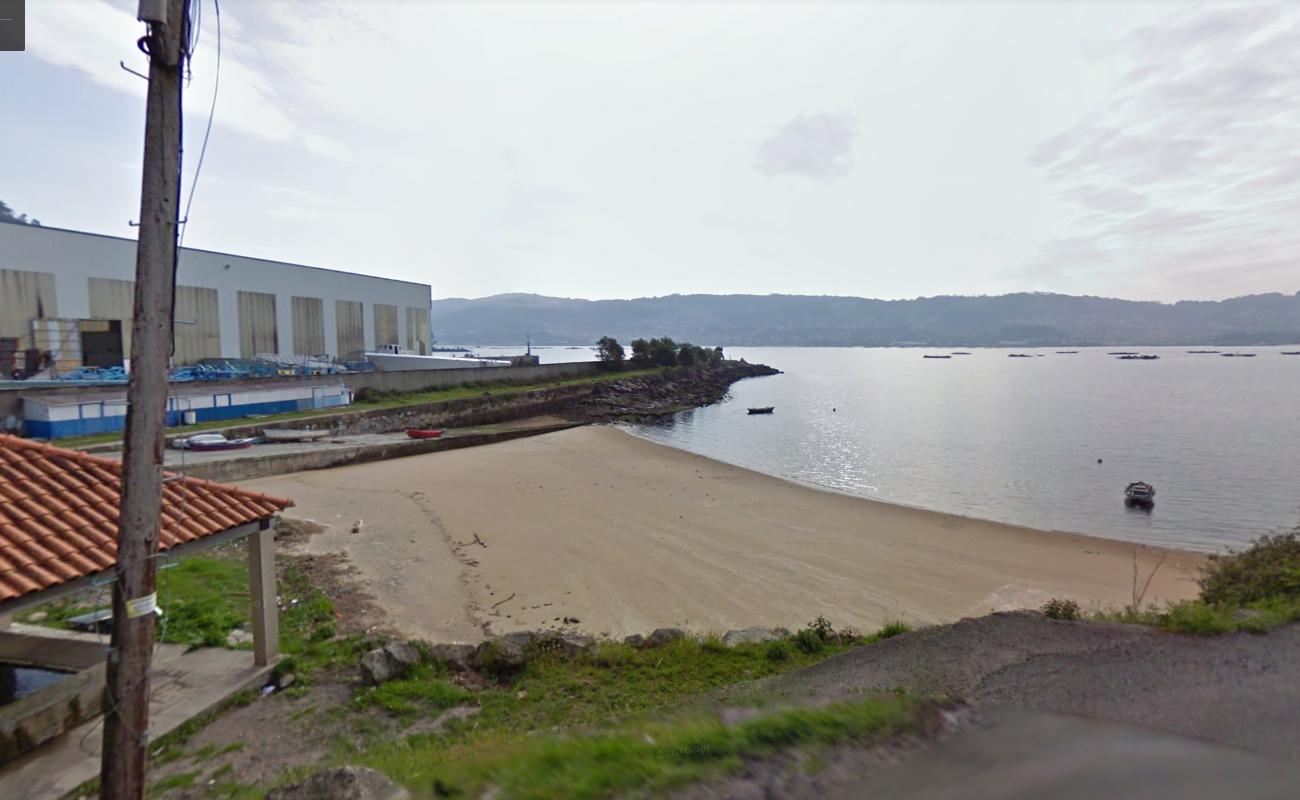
(1024, 319)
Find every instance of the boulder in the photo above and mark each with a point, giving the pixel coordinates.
(635, 640)
(662, 636)
(575, 644)
(500, 655)
(343, 783)
(457, 657)
(748, 636)
(388, 663)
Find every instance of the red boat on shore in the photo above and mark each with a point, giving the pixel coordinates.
(428, 433)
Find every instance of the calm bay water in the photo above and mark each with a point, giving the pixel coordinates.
(1017, 439)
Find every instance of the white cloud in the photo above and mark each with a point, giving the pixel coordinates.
(817, 146)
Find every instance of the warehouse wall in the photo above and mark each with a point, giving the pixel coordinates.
(257, 330)
(385, 324)
(417, 330)
(308, 326)
(24, 295)
(113, 299)
(351, 326)
(198, 329)
(42, 263)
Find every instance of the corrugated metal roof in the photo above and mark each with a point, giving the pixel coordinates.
(59, 509)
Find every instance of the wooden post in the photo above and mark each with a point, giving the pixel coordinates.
(123, 770)
(261, 588)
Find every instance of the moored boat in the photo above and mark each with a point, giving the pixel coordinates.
(762, 410)
(930, 356)
(292, 435)
(1139, 493)
(1138, 357)
(210, 442)
(1237, 355)
(423, 433)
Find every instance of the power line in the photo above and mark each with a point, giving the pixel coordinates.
(212, 110)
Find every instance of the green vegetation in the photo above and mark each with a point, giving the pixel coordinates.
(653, 756)
(610, 352)
(1060, 609)
(1254, 590)
(665, 352)
(421, 692)
(369, 399)
(628, 688)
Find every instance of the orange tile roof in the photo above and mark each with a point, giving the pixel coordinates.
(58, 514)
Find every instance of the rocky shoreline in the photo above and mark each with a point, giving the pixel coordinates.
(642, 398)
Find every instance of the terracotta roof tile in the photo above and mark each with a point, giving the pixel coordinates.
(59, 510)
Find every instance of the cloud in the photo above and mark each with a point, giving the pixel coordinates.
(1189, 169)
(817, 146)
(92, 36)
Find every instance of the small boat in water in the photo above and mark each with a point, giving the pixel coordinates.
(1139, 493)
(1067, 352)
(1138, 357)
(762, 410)
(1122, 353)
(1237, 355)
(960, 353)
(423, 433)
(1204, 352)
(1020, 355)
(1291, 352)
(930, 356)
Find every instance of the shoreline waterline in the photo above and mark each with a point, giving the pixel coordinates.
(625, 535)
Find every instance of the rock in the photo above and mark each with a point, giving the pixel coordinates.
(237, 637)
(500, 655)
(635, 640)
(748, 636)
(286, 680)
(37, 616)
(390, 662)
(571, 620)
(662, 636)
(457, 657)
(404, 654)
(576, 644)
(343, 783)
(521, 638)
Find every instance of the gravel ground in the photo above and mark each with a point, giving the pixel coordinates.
(1056, 709)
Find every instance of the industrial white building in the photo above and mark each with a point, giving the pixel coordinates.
(72, 293)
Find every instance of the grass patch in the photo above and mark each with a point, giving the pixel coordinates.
(652, 756)
(422, 691)
(1254, 590)
(180, 780)
(611, 682)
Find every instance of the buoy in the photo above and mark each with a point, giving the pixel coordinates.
(1099, 461)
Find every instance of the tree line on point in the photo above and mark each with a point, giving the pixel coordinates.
(660, 352)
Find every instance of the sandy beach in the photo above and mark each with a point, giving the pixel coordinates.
(626, 535)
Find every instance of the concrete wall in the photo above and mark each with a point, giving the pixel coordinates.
(10, 395)
(60, 264)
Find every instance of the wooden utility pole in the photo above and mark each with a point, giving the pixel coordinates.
(126, 717)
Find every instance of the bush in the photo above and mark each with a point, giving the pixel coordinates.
(822, 627)
(1061, 609)
(777, 650)
(892, 629)
(1269, 568)
(809, 642)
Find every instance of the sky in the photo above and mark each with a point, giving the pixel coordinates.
(617, 149)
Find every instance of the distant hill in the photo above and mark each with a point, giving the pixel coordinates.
(738, 319)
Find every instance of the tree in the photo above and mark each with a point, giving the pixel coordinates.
(7, 215)
(610, 352)
(663, 352)
(641, 353)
